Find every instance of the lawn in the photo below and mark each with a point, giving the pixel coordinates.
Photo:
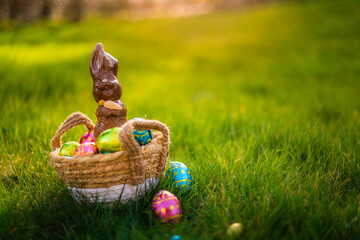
(263, 106)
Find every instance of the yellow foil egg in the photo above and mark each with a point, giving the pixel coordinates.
(235, 229)
(108, 141)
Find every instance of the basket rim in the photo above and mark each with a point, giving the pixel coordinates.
(133, 160)
(108, 157)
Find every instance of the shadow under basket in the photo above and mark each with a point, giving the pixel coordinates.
(119, 176)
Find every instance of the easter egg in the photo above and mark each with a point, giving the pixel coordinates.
(68, 149)
(88, 137)
(108, 140)
(235, 229)
(167, 207)
(143, 137)
(176, 237)
(85, 149)
(179, 175)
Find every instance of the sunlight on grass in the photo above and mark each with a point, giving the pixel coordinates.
(44, 54)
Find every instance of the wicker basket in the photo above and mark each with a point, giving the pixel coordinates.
(111, 177)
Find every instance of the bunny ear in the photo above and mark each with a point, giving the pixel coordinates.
(102, 60)
(110, 63)
(96, 61)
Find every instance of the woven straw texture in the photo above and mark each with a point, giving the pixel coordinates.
(131, 166)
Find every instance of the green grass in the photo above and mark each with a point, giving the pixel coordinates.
(263, 107)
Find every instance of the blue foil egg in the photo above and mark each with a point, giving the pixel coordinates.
(143, 137)
(176, 237)
(180, 176)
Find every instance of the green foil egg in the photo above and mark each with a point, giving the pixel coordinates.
(68, 149)
(108, 141)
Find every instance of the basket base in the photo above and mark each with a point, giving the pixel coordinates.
(122, 193)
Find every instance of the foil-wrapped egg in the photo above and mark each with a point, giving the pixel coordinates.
(235, 229)
(143, 137)
(108, 141)
(176, 237)
(85, 149)
(68, 149)
(88, 137)
(167, 207)
(179, 175)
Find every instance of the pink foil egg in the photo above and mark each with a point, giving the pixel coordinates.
(85, 149)
(87, 138)
(167, 207)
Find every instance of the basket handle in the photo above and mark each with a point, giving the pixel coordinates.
(72, 121)
(133, 149)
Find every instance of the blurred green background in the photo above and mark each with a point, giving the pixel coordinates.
(262, 103)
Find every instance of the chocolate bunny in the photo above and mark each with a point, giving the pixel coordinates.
(107, 91)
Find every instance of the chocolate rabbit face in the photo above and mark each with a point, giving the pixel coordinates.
(103, 69)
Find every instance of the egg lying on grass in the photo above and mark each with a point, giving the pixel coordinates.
(180, 176)
(167, 207)
(235, 229)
